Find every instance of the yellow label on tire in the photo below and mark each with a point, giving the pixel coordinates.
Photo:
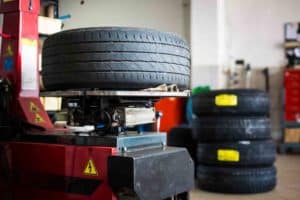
(226, 100)
(228, 155)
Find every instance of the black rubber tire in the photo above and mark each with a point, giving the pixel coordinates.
(115, 58)
(210, 129)
(236, 180)
(246, 153)
(249, 103)
(181, 136)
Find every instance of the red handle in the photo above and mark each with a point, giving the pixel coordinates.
(6, 36)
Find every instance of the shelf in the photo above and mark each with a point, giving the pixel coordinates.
(49, 2)
(291, 125)
(285, 147)
(49, 26)
(291, 44)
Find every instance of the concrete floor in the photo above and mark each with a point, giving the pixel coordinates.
(288, 186)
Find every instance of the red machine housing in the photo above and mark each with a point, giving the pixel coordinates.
(45, 163)
(174, 112)
(19, 59)
(48, 171)
(39, 170)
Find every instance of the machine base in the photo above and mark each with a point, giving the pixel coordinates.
(153, 173)
(37, 170)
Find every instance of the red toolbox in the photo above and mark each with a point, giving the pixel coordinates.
(292, 94)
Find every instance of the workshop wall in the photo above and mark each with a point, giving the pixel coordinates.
(225, 30)
(204, 42)
(164, 15)
(254, 30)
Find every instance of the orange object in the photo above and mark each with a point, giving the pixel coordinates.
(173, 110)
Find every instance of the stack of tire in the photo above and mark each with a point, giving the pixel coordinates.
(235, 153)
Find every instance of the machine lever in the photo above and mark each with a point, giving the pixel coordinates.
(5, 36)
(30, 5)
(159, 115)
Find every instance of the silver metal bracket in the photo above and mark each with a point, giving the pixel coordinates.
(139, 93)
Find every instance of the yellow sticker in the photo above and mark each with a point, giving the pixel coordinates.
(228, 155)
(39, 119)
(90, 169)
(9, 50)
(29, 42)
(226, 100)
(33, 108)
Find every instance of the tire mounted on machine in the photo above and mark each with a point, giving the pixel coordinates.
(115, 58)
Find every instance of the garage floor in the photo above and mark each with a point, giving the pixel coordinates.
(288, 187)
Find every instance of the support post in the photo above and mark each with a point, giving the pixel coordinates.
(19, 59)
